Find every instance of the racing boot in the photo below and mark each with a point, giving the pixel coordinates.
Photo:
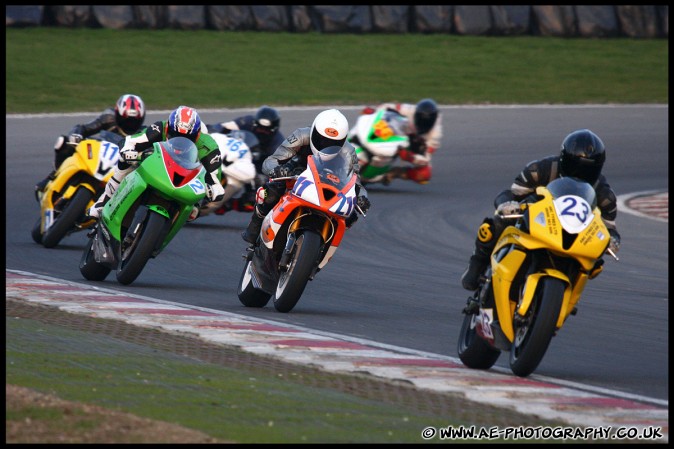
(110, 189)
(253, 229)
(480, 258)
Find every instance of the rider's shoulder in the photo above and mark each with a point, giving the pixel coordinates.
(207, 141)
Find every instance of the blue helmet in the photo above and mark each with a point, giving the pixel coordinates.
(184, 122)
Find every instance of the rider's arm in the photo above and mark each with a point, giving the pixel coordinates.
(608, 204)
(143, 140)
(210, 157)
(243, 122)
(536, 173)
(288, 148)
(104, 121)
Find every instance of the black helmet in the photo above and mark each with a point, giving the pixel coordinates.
(267, 122)
(425, 115)
(129, 113)
(582, 156)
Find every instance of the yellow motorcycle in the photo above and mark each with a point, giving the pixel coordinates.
(539, 268)
(77, 183)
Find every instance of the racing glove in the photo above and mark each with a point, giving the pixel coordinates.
(215, 192)
(508, 208)
(128, 153)
(283, 170)
(363, 203)
(74, 139)
(194, 214)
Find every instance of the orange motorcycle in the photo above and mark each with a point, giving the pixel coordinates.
(301, 233)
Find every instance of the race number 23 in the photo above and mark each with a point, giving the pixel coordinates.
(576, 207)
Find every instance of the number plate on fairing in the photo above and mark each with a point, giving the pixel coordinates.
(574, 213)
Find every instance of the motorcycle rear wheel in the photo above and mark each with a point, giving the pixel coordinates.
(136, 255)
(473, 351)
(292, 282)
(90, 269)
(65, 221)
(248, 294)
(532, 339)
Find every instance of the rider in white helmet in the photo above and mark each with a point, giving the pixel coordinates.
(330, 128)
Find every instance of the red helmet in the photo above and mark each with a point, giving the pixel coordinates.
(129, 113)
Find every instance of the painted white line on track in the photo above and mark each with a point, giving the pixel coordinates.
(359, 107)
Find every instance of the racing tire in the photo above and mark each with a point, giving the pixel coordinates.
(36, 232)
(248, 294)
(65, 222)
(135, 255)
(532, 339)
(90, 269)
(292, 282)
(473, 351)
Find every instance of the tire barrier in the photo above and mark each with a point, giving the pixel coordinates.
(586, 21)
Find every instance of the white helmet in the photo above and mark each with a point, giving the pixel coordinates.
(329, 129)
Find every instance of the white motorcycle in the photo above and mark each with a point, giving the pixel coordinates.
(239, 177)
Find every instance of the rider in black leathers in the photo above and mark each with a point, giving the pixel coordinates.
(125, 118)
(266, 125)
(582, 156)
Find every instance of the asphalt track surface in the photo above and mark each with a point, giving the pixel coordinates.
(396, 278)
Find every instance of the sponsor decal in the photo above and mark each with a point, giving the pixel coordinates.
(332, 132)
(484, 233)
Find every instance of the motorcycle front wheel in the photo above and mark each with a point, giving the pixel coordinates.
(292, 282)
(65, 221)
(473, 351)
(135, 254)
(533, 338)
(36, 232)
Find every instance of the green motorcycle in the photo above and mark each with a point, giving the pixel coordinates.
(378, 139)
(148, 209)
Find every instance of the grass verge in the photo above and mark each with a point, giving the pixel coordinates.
(63, 69)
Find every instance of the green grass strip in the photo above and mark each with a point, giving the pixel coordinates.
(62, 69)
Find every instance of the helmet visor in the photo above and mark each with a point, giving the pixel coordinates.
(578, 167)
(319, 141)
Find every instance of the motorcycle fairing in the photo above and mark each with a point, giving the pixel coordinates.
(331, 193)
(177, 174)
(134, 185)
(90, 166)
(384, 130)
(547, 229)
